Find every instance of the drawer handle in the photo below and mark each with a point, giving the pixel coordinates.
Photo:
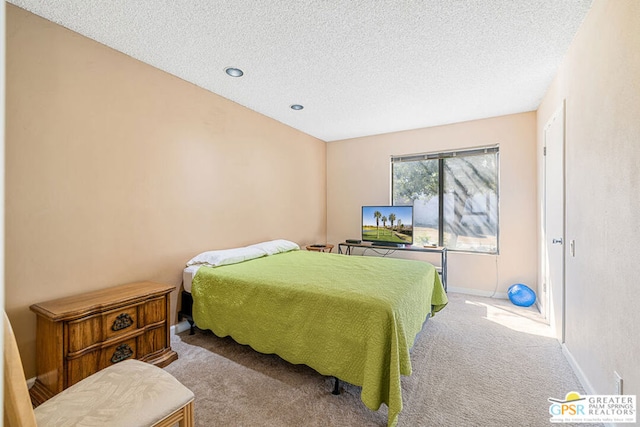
(123, 321)
(122, 352)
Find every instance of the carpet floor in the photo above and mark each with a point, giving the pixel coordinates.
(479, 362)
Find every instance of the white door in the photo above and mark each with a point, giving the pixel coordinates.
(553, 224)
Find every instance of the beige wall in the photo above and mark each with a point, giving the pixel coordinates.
(118, 172)
(358, 173)
(600, 80)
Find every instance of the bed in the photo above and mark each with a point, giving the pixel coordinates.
(354, 318)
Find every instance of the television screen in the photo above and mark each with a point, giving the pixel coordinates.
(387, 225)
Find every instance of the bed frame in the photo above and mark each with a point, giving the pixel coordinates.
(186, 310)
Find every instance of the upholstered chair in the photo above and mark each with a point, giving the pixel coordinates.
(128, 394)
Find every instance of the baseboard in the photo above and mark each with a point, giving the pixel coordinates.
(180, 327)
(478, 293)
(576, 370)
(584, 381)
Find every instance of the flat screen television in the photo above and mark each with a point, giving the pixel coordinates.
(387, 225)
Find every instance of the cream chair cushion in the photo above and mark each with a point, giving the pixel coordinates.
(130, 393)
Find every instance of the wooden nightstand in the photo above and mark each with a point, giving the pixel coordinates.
(82, 334)
(320, 248)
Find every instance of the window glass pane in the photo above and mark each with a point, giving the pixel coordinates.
(425, 217)
(416, 183)
(471, 202)
(469, 198)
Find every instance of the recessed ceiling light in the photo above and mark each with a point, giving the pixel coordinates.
(296, 107)
(233, 72)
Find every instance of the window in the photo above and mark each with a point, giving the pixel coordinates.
(454, 197)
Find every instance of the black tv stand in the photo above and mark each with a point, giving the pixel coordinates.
(348, 249)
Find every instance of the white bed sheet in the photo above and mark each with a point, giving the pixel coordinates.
(187, 276)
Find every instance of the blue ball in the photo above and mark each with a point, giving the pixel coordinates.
(521, 295)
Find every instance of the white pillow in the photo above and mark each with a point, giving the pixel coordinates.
(273, 247)
(227, 256)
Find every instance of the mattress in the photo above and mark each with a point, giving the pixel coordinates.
(187, 276)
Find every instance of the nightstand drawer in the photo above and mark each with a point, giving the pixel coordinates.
(84, 364)
(85, 332)
(118, 322)
(155, 340)
(155, 311)
(119, 352)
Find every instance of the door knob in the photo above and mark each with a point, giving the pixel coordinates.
(557, 241)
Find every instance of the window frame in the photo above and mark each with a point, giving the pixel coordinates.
(441, 157)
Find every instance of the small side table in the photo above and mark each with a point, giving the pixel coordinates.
(320, 248)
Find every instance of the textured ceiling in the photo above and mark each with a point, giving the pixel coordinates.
(359, 67)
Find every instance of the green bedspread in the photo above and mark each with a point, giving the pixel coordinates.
(352, 317)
